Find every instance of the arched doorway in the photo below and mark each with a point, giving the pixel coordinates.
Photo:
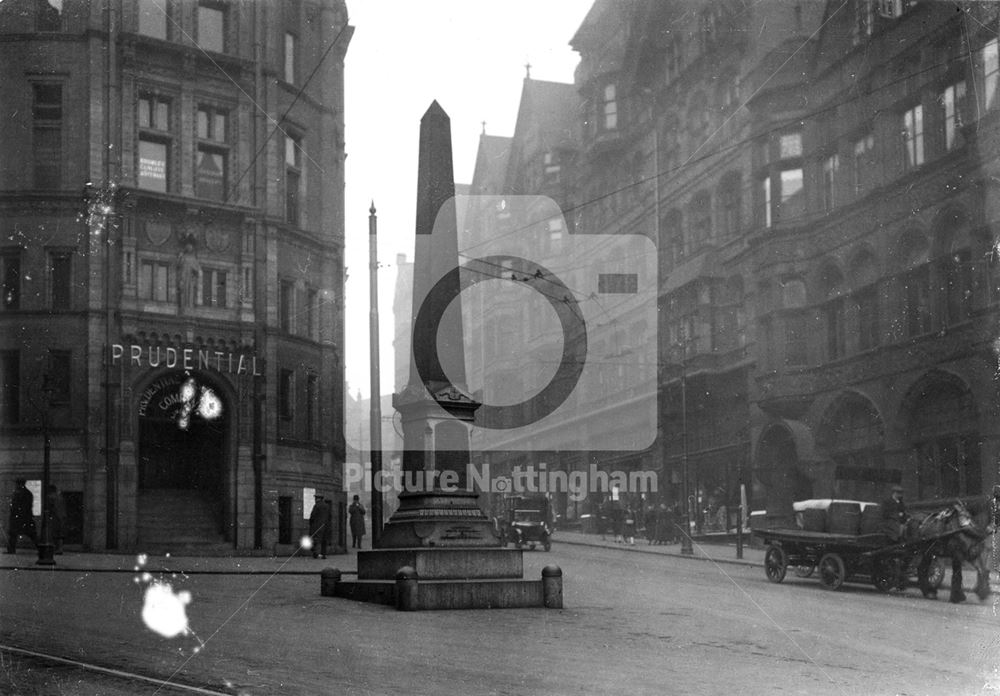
(777, 473)
(183, 426)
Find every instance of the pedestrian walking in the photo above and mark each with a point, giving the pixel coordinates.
(319, 526)
(894, 515)
(56, 515)
(21, 519)
(356, 514)
(630, 524)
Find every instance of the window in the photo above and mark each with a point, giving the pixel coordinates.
(10, 373)
(59, 373)
(863, 162)
(956, 276)
(290, 58)
(781, 194)
(60, 279)
(990, 59)
(701, 219)
(47, 117)
(286, 388)
(154, 142)
(11, 261)
(796, 344)
(48, 15)
(312, 307)
(212, 163)
(552, 167)
(287, 305)
(833, 314)
(766, 201)
(829, 188)
(153, 18)
(913, 137)
(293, 179)
(153, 277)
(916, 301)
(312, 393)
(868, 321)
(864, 19)
(212, 26)
(213, 287)
(953, 103)
(609, 108)
(730, 202)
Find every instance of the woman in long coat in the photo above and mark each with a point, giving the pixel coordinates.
(356, 514)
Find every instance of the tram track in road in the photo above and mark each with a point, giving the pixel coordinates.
(49, 670)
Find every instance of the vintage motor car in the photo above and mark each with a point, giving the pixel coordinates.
(530, 527)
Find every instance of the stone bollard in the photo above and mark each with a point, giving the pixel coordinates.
(328, 579)
(407, 594)
(552, 587)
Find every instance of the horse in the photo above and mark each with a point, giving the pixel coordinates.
(953, 533)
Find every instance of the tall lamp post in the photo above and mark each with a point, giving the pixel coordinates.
(46, 548)
(686, 548)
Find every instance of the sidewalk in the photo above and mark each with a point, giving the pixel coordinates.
(716, 552)
(76, 561)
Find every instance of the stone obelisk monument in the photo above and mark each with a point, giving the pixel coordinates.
(436, 507)
(438, 550)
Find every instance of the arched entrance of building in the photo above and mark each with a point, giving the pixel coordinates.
(182, 454)
(776, 470)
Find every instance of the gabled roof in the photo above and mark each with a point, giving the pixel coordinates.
(547, 117)
(491, 165)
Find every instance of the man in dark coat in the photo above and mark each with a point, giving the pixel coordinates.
(894, 515)
(356, 514)
(319, 527)
(21, 519)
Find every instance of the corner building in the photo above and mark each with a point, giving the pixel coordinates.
(172, 267)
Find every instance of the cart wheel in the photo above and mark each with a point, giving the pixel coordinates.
(832, 571)
(803, 571)
(885, 574)
(935, 574)
(775, 563)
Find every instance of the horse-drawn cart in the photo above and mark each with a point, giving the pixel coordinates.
(886, 562)
(839, 558)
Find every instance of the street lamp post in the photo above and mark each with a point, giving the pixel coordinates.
(686, 547)
(46, 548)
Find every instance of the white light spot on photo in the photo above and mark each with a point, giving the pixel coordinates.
(306, 542)
(164, 612)
(210, 406)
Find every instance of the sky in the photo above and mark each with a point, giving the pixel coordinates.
(470, 57)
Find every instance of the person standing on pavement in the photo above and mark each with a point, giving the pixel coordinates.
(21, 519)
(319, 527)
(356, 514)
